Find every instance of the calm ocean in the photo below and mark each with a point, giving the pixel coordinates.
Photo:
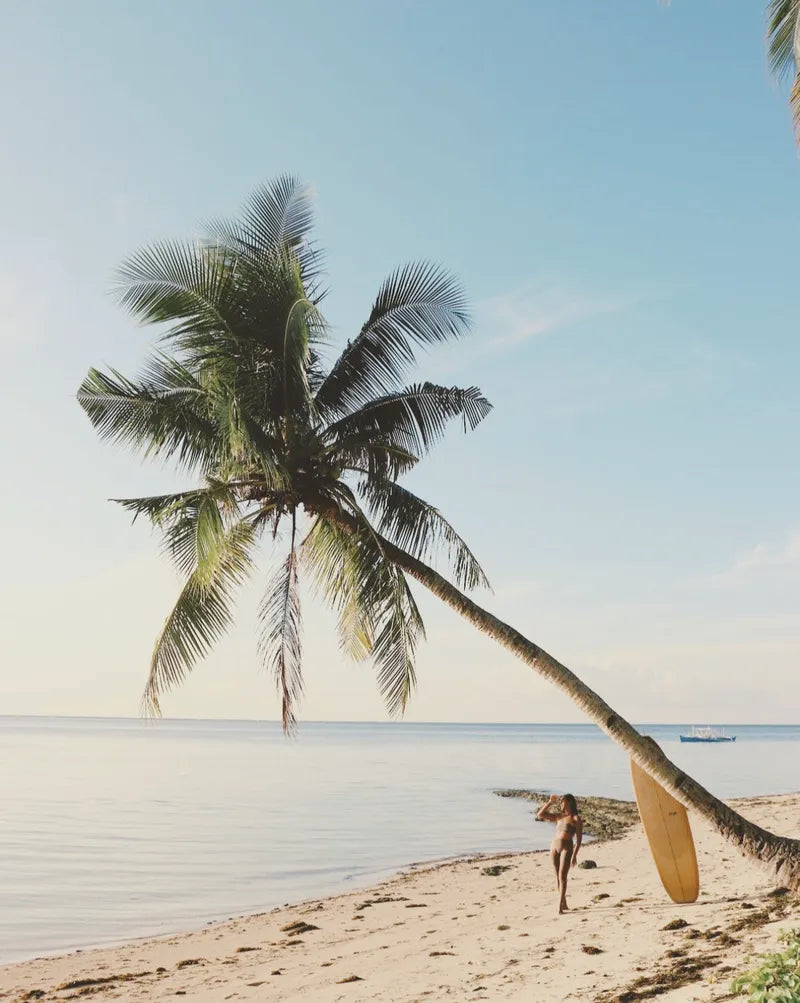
(112, 829)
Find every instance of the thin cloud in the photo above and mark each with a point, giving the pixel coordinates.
(765, 556)
(532, 312)
(762, 558)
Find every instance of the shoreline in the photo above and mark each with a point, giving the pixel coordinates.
(595, 811)
(478, 927)
(370, 882)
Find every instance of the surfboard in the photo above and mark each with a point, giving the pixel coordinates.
(669, 834)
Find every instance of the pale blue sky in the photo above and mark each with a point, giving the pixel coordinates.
(617, 186)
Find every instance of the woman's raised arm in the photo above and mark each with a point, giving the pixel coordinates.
(544, 814)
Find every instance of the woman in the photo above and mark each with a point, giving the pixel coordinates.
(564, 812)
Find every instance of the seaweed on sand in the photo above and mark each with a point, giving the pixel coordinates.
(681, 972)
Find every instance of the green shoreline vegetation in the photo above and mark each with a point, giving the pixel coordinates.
(778, 975)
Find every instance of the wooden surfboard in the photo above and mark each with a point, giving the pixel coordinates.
(666, 826)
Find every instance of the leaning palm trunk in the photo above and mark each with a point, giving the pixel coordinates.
(779, 854)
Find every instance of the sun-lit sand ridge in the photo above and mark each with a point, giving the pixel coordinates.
(456, 931)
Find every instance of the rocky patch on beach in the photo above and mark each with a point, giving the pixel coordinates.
(604, 819)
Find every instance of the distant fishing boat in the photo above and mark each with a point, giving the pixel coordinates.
(707, 735)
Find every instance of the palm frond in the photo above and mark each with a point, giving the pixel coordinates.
(163, 509)
(418, 305)
(334, 560)
(380, 458)
(377, 612)
(271, 287)
(158, 508)
(415, 526)
(215, 421)
(399, 626)
(278, 216)
(201, 615)
(165, 414)
(182, 281)
(414, 418)
(303, 324)
(783, 37)
(279, 643)
(194, 524)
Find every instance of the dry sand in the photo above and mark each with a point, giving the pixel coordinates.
(455, 932)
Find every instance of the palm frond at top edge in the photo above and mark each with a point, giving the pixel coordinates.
(277, 218)
(783, 18)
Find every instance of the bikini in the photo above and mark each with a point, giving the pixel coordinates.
(565, 830)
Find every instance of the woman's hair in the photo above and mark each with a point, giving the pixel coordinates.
(570, 803)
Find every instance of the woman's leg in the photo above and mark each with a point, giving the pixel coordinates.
(555, 855)
(563, 870)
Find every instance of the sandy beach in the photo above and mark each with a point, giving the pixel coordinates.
(481, 928)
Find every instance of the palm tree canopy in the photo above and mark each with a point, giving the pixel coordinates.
(783, 37)
(239, 397)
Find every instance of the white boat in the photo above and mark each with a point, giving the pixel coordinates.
(707, 734)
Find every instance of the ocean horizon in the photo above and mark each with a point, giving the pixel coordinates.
(401, 723)
(115, 828)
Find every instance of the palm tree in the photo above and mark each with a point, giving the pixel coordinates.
(783, 36)
(276, 441)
